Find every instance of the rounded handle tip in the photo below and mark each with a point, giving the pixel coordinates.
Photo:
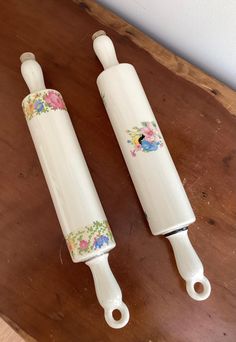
(98, 34)
(104, 49)
(27, 56)
(206, 288)
(122, 321)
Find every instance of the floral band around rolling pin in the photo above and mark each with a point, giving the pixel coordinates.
(92, 238)
(145, 138)
(42, 102)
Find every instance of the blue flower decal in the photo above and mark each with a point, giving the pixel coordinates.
(100, 241)
(147, 146)
(39, 106)
(93, 238)
(145, 138)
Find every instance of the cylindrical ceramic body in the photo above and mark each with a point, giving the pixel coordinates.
(150, 165)
(77, 205)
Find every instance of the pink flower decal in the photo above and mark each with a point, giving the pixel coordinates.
(149, 132)
(146, 138)
(42, 102)
(83, 244)
(89, 239)
(54, 100)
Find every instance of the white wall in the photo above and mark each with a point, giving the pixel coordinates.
(201, 31)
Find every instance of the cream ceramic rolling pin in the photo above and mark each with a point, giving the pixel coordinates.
(77, 205)
(150, 165)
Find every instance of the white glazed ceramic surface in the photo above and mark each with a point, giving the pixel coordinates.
(154, 175)
(78, 207)
(189, 265)
(110, 297)
(150, 165)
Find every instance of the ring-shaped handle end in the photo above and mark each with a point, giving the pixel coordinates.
(120, 323)
(193, 293)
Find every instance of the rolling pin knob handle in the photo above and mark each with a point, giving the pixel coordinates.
(108, 291)
(104, 49)
(189, 264)
(32, 72)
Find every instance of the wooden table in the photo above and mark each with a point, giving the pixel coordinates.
(44, 294)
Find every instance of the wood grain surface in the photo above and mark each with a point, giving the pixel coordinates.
(7, 334)
(41, 290)
(11, 332)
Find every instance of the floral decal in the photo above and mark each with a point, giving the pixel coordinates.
(91, 238)
(145, 138)
(42, 102)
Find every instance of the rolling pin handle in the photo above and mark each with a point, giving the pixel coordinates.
(32, 72)
(188, 263)
(108, 291)
(104, 49)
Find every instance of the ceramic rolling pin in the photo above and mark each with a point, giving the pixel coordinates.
(152, 170)
(80, 213)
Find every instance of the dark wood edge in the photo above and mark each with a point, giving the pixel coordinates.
(225, 95)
